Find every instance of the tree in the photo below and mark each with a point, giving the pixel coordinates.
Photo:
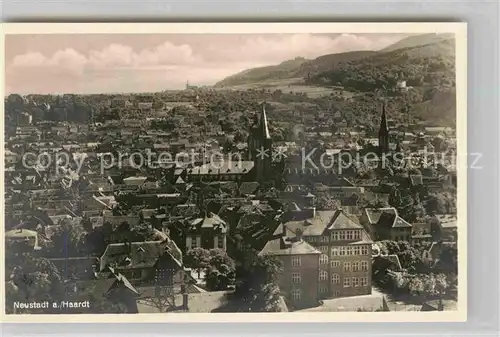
(239, 136)
(68, 240)
(221, 270)
(363, 202)
(448, 262)
(31, 279)
(326, 203)
(257, 283)
(441, 284)
(197, 258)
(436, 204)
(416, 286)
(429, 285)
(219, 278)
(104, 305)
(411, 258)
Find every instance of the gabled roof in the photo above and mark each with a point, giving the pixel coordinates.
(373, 214)
(285, 246)
(138, 254)
(392, 220)
(226, 167)
(310, 227)
(211, 220)
(343, 221)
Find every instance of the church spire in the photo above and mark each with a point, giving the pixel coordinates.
(383, 133)
(383, 122)
(263, 123)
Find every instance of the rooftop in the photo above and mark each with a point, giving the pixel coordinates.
(285, 246)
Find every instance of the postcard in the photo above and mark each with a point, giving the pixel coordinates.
(234, 172)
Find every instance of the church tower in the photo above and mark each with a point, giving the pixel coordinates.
(260, 146)
(383, 133)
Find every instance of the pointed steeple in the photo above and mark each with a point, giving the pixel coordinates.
(263, 123)
(383, 122)
(383, 133)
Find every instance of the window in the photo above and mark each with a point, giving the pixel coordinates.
(335, 264)
(335, 278)
(335, 251)
(189, 242)
(364, 265)
(347, 266)
(347, 282)
(364, 281)
(357, 235)
(355, 282)
(323, 290)
(295, 277)
(341, 235)
(364, 250)
(220, 242)
(324, 239)
(335, 236)
(356, 250)
(196, 242)
(348, 250)
(355, 266)
(348, 235)
(323, 259)
(323, 249)
(323, 275)
(296, 294)
(295, 261)
(342, 251)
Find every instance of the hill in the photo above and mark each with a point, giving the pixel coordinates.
(425, 65)
(417, 40)
(275, 72)
(291, 69)
(426, 59)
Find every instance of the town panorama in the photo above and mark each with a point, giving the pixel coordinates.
(313, 184)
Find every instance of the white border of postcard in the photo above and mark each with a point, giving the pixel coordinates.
(460, 31)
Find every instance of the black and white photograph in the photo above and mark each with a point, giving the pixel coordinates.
(280, 170)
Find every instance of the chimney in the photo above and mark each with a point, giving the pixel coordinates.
(185, 301)
(298, 234)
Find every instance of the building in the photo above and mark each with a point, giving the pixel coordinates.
(443, 227)
(221, 171)
(346, 251)
(207, 232)
(385, 224)
(260, 146)
(401, 86)
(257, 168)
(299, 280)
(148, 262)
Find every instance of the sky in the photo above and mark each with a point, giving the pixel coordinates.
(112, 63)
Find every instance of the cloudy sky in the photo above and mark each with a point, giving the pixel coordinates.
(104, 63)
